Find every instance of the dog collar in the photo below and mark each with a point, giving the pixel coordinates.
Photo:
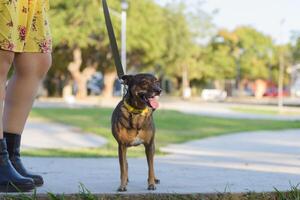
(135, 110)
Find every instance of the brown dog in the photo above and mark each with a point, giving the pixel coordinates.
(132, 122)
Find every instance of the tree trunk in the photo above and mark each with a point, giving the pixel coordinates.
(186, 90)
(260, 88)
(80, 78)
(109, 79)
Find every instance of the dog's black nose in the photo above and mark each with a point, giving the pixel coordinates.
(158, 90)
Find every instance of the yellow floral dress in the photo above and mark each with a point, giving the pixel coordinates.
(24, 26)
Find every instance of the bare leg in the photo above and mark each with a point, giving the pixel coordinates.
(10, 179)
(6, 59)
(30, 69)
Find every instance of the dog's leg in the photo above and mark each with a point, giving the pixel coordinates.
(127, 171)
(123, 167)
(150, 149)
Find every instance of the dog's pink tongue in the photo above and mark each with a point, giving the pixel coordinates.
(154, 103)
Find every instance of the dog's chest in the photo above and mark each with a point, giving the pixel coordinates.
(133, 121)
(132, 129)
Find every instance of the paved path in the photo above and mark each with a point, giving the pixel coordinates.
(224, 110)
(241, 162)
(45, 134)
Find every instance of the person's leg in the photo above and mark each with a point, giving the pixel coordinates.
(29, 71)
(6, 59)
(10, 179)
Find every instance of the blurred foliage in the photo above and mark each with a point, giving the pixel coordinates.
(163, 40)
(146, 34)
(244, 46)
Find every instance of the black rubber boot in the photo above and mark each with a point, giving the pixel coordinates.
(13, 147)
(10, 179)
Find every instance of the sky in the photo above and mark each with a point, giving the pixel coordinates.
(277, 18)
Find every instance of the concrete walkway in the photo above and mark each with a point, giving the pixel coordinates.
(244, 162)
(45, 134)
(225, 110)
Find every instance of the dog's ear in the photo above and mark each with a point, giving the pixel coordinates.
(127, 79)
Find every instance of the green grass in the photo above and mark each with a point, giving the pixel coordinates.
(172, 127)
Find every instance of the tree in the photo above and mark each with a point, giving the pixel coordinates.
(244, 53)
(255, 57)
(79, 26)
(183, 58)
(146, 34)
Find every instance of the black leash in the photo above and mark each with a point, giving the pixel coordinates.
(112, 39)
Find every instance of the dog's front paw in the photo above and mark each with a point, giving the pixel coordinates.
(151, 187)
(122, 189)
